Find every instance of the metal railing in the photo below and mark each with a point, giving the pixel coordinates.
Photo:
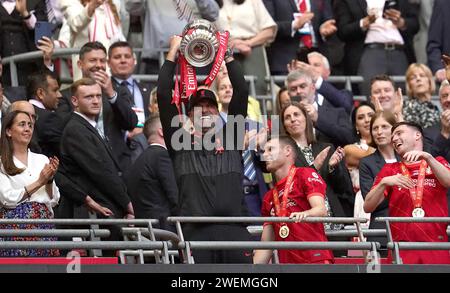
(93, 234)
(396, 246)
(188, 246)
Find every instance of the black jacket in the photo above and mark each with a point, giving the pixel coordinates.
(209, 182)
(285, 46)
(152, 186)
(117, 118)
(339, 189)
(88, 161)
(348, 14)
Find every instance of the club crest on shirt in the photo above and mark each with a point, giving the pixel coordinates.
(315, 178)
(428, 171)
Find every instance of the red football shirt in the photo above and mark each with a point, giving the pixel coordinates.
(401, 204)
(307, 182)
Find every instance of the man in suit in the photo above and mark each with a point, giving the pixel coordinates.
(439, 37)
(151, 180)
(319, 16)
(43, 93)
(332, 124)
(122, 62)
(376, 42)
(87, 159)
(112, 121)
(319, 67)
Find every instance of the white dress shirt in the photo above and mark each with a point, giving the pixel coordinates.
(382, 30)
(12, 187)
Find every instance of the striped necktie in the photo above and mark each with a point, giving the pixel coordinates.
(184, 11)
(249, 166)
(50, 12)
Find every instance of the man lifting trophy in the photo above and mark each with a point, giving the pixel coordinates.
(207, 160)
(201, 45)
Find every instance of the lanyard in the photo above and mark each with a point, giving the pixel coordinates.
(281, 211)
(416, 192)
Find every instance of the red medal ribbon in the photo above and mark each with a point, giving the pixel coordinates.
(416, 192)
(186, 80)
(282, 211)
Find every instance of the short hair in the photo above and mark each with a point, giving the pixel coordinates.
(119, 44)
(286, 140)
(150, 126)
(444, 84)
(297, 74)
(86, 81)
(38, 80)
(91, 46)
(428, 74)
(325, 61)
(381, 77)
(408, 123)
(386, 115)
(309, 130)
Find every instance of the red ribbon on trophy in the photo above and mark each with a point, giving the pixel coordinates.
(186, 78)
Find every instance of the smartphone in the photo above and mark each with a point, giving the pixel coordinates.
(302, 54)
(390, 4)
(42, 29)
(297, 99)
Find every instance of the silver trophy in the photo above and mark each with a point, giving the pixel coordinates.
(200, 46)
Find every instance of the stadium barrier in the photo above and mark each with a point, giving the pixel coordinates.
(188, 246)
(396, 246)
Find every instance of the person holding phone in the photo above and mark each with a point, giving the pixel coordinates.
(17, 24)
(378, 36)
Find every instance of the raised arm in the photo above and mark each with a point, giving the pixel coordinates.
(166, 84)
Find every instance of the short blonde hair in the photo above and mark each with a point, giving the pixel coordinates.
(428, 74)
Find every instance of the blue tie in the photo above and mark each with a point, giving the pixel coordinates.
(249, 167)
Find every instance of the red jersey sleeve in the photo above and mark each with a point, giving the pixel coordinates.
(384, 172)
(443, 162)
(311, 182)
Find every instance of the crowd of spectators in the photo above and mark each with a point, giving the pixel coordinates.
(105, 145)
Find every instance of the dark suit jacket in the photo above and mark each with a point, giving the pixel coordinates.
(438, 34)
(338, 98)
(333, 125)
(437, 145)
(339, 188)
(152, 186)
(435, 142)
(88, 161)
(348, 14)
(369, 167)
(145, 92)
(284, 48)
(16, 38)
(48, 131)
(117, 119)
